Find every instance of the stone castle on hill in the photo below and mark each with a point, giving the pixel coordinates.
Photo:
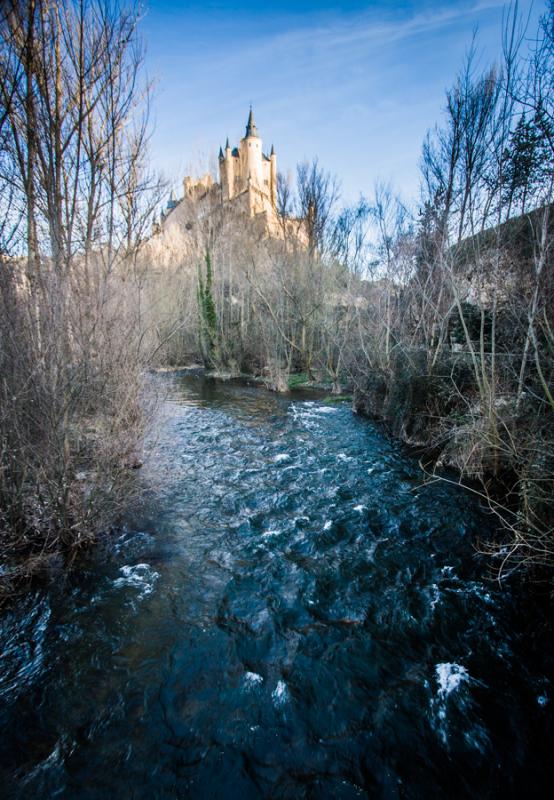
(247, 187)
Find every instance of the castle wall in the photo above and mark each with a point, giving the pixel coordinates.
(273, 177)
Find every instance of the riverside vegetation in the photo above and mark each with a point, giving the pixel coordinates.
(438, 319)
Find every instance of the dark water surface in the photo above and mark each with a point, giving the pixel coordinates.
(293, 616)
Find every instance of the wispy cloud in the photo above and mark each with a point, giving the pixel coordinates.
(346, 36)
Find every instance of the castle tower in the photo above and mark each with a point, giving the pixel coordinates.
(251, 155)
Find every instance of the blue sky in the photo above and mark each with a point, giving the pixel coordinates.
(356, 84)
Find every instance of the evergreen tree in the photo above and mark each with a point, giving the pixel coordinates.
(207, 313)
(525, 163)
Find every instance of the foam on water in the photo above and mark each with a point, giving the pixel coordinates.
(449, 677)
(271, 532)
(252, 679)
(138, 576)
(280, 694)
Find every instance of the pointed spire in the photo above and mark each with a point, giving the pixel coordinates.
(221, 156)
(251, 129)
(272, 151)
(227, 145)
(172, 202)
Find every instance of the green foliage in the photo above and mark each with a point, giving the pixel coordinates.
(335, 399)
(528, 161)
(207, 313)
(298, 379)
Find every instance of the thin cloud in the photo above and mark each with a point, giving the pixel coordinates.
(357, 31)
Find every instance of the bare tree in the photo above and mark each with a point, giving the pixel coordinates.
(318, 192)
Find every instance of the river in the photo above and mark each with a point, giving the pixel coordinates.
(291, 613)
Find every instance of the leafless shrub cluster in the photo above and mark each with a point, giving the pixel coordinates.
(75, 197)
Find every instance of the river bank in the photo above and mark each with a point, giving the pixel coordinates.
(296, 381)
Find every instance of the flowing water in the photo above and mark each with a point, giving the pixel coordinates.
(292, 614)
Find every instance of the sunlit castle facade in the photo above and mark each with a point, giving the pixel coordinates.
(247, 186)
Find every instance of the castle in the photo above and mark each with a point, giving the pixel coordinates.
(247, 186)
(248, 170)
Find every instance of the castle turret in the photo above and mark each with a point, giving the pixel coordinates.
(226, 172)
(172, 202)
(230, 168)
(273, 176)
